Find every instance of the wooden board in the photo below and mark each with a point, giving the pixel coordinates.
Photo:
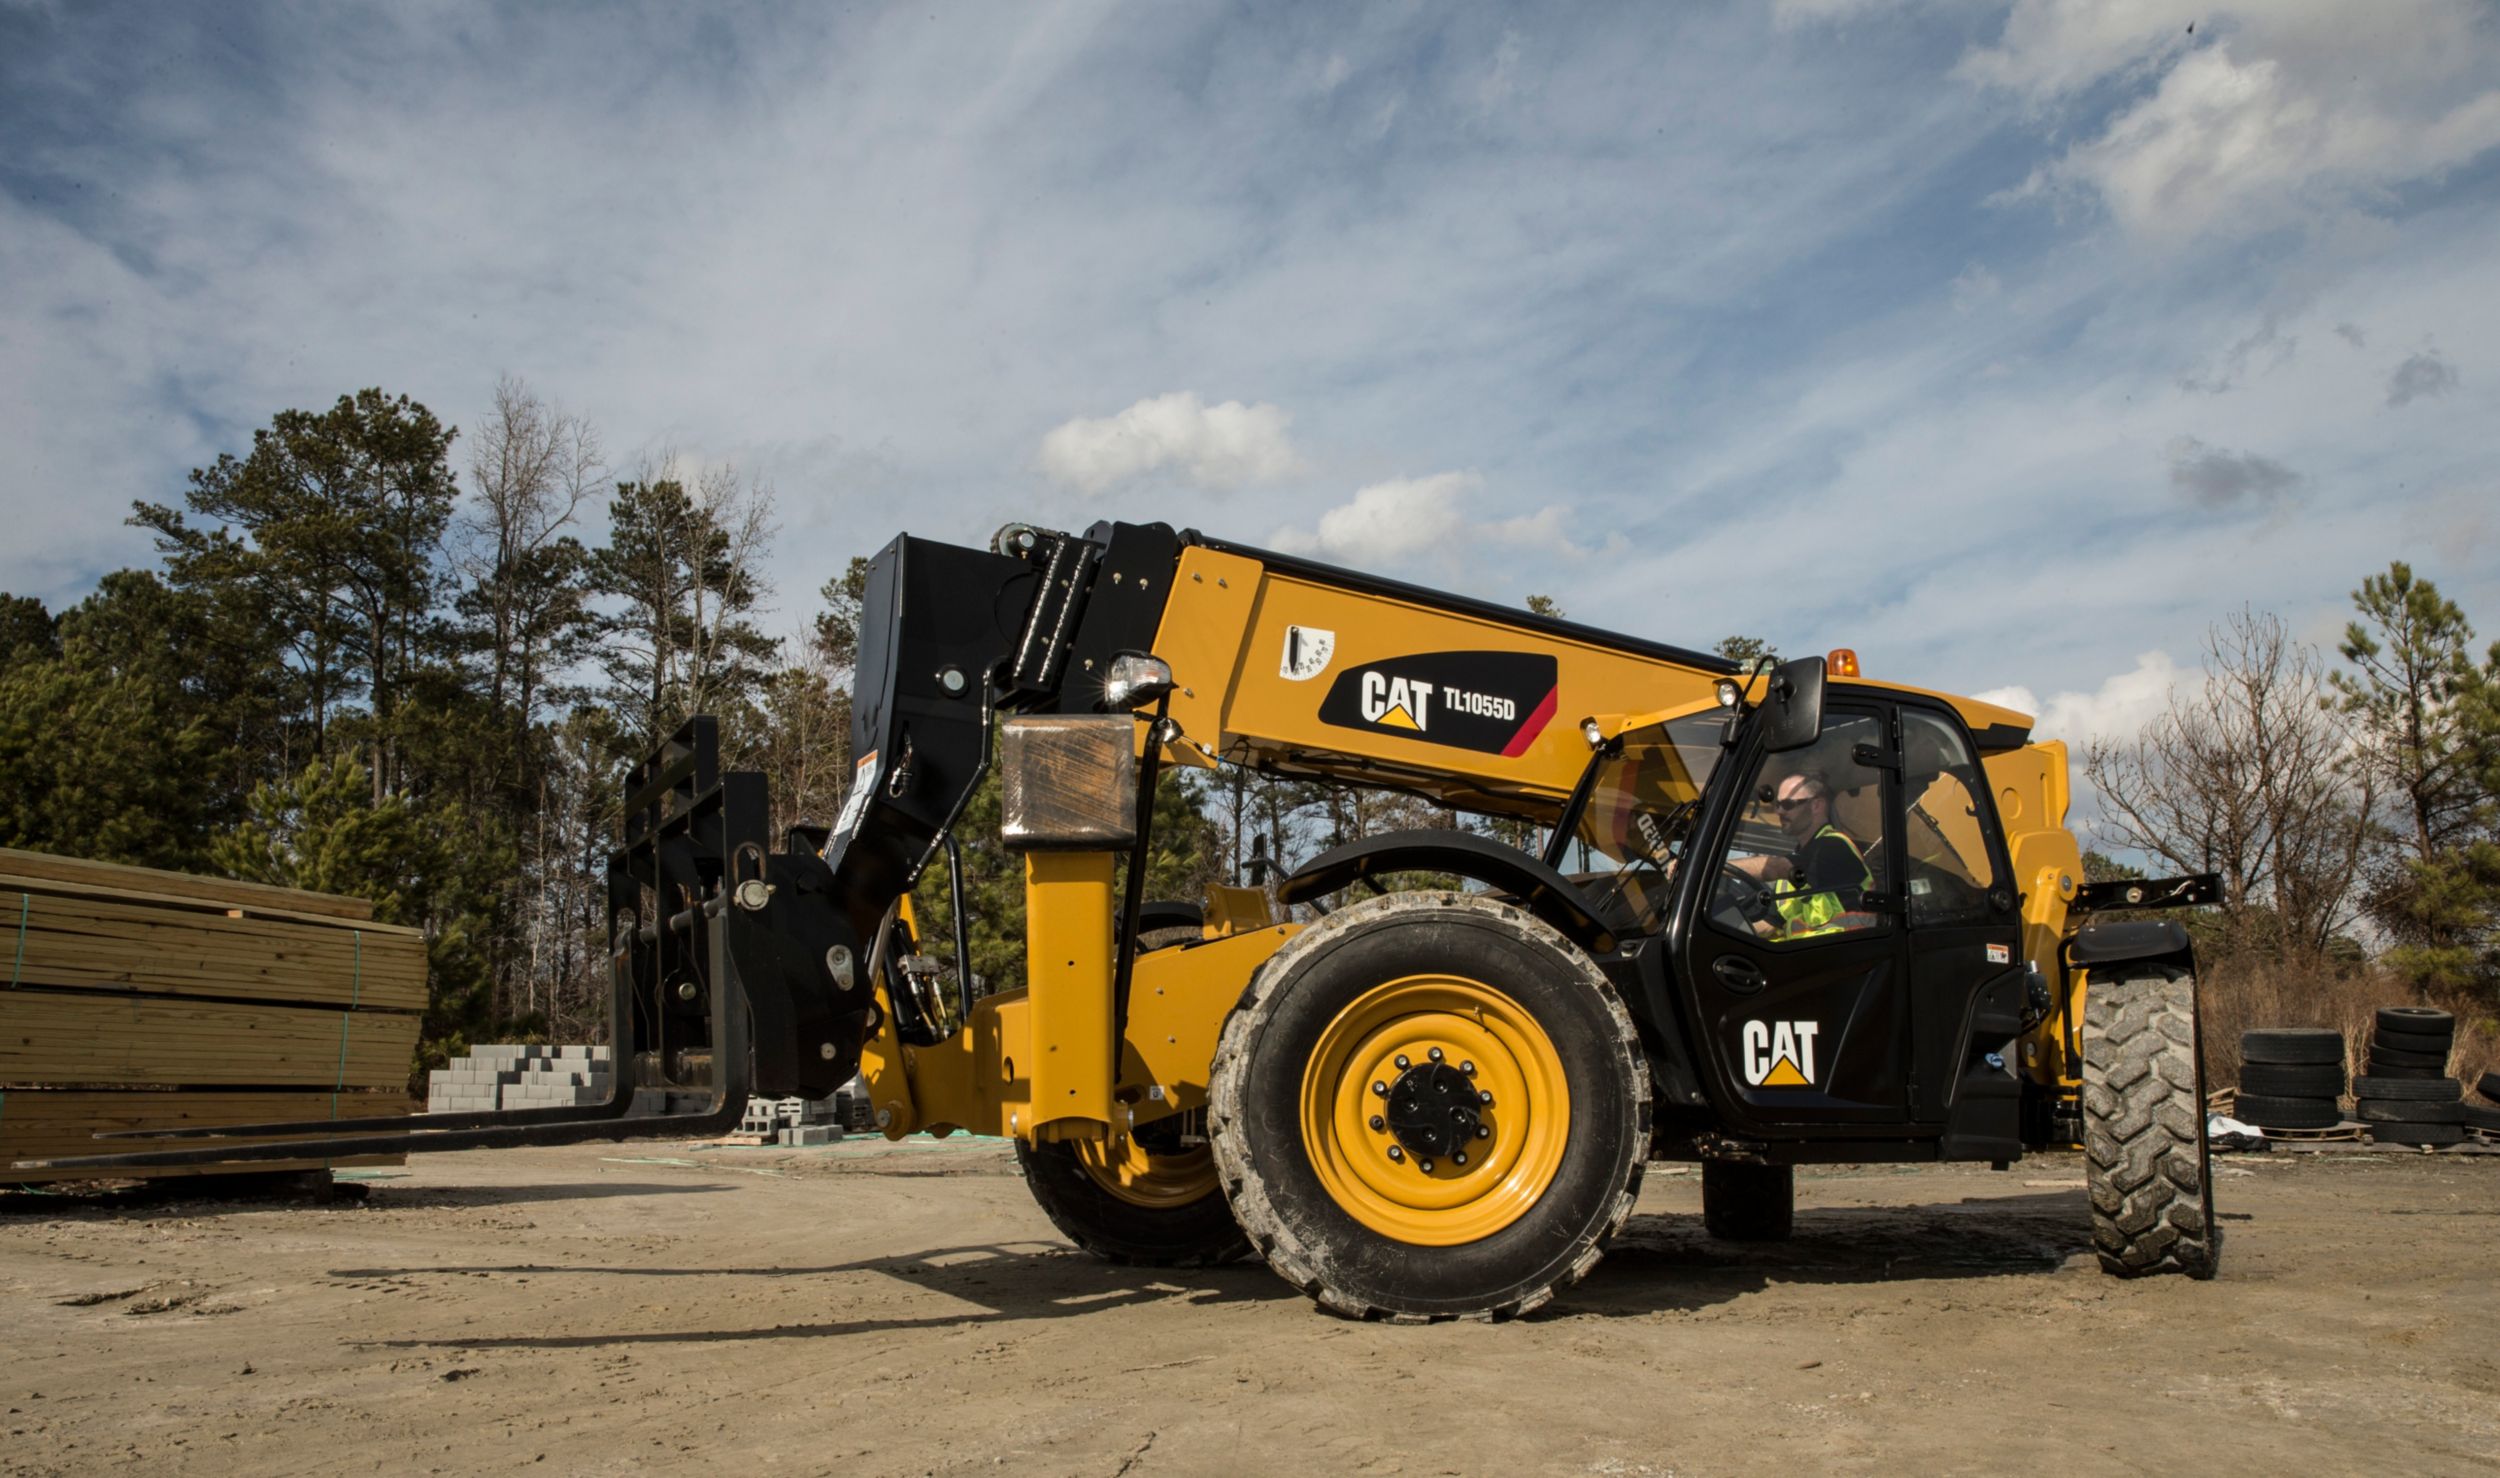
(222, 892)
(58, 1037)
(47, 1123)
(104, 943)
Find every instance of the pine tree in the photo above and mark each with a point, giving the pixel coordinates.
(2425, 734)
(333, 527)
(680, 572)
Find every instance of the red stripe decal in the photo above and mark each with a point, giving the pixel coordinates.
(1535, 725)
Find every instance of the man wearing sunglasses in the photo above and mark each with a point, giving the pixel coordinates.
(1825, 877)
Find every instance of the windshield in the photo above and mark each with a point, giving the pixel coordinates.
(1642, 806)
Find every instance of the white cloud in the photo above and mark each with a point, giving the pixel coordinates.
(2051, 48)
(1211, 446)
(1406, 518)
(2270, 113)
(2117, 710)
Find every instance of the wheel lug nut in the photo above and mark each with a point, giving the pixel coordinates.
(1402, 1062)
(1460, 1157)
(1468, 1068)
(1484, 1131)
(1380, 1090)
(1379, 1123)
(1395, 1153)
(1484, 1095)
(1424, 1165)
(1434, 1054)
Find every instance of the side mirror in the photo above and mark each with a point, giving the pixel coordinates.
(1792, 712)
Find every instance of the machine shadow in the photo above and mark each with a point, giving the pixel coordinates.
(994, 1283)
(1662, 1263)
(1667, 1262)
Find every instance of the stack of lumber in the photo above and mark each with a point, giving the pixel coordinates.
(143, 999)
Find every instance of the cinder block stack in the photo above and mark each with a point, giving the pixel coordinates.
(795, 1122)
(519, 1076)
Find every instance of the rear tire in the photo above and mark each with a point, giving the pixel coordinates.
(1748, 1203)
(1371, 1226)
(1133, 1205)
(2144, 1126)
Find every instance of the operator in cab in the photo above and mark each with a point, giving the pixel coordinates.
(1826, 875)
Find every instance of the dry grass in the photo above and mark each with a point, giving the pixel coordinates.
(2242, 993)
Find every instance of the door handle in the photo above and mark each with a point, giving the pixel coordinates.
(1737, 972)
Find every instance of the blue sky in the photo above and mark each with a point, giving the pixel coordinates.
(2011, 344)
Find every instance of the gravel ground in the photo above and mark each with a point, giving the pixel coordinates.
(878, 1308)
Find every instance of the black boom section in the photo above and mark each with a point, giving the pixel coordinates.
(1505, 869)
(940, 626)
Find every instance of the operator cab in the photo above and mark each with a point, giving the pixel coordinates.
(1827, 886)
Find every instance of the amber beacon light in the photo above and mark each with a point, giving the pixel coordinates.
(1843, 662)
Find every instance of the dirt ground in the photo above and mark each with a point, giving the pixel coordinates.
(904, 1309)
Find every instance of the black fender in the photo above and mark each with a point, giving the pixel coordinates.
(1504, 868)
(1170, 913)
(2132, 940)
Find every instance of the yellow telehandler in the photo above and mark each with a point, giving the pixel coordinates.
(1786, 915)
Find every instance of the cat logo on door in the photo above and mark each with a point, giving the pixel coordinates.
(1779, 1054)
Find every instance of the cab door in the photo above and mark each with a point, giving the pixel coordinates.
(1965, 931)
(1798, 980)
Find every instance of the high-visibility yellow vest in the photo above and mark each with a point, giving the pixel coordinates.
(1807, 914)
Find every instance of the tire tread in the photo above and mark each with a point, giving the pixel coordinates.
(1308, 1268)
(2144, 1128)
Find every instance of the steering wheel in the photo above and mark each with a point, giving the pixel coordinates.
(1741, 894)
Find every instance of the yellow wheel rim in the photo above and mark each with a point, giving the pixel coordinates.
(1142, 1177)
(1529, 1114)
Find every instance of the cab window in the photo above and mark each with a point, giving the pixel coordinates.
(1947, 828)
(1640, 809)
(1809, 850)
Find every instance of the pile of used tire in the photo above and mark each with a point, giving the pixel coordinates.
(2406, 1095)
(2291, 1078)
(2485, 1116)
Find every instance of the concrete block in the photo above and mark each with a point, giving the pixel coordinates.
(803, 1136)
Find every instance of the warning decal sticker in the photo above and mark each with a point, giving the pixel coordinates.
(1307, 650)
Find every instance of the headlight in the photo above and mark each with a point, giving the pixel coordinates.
(1135, 679)
(1729, 693)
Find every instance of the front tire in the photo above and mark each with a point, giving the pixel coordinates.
(2146, 1161)
(1521, 1097)
(1146, 1200)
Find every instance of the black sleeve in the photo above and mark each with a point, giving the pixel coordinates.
(1826, 864)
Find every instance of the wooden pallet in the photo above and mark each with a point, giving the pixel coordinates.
(144, 999)
(2347, 1132)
